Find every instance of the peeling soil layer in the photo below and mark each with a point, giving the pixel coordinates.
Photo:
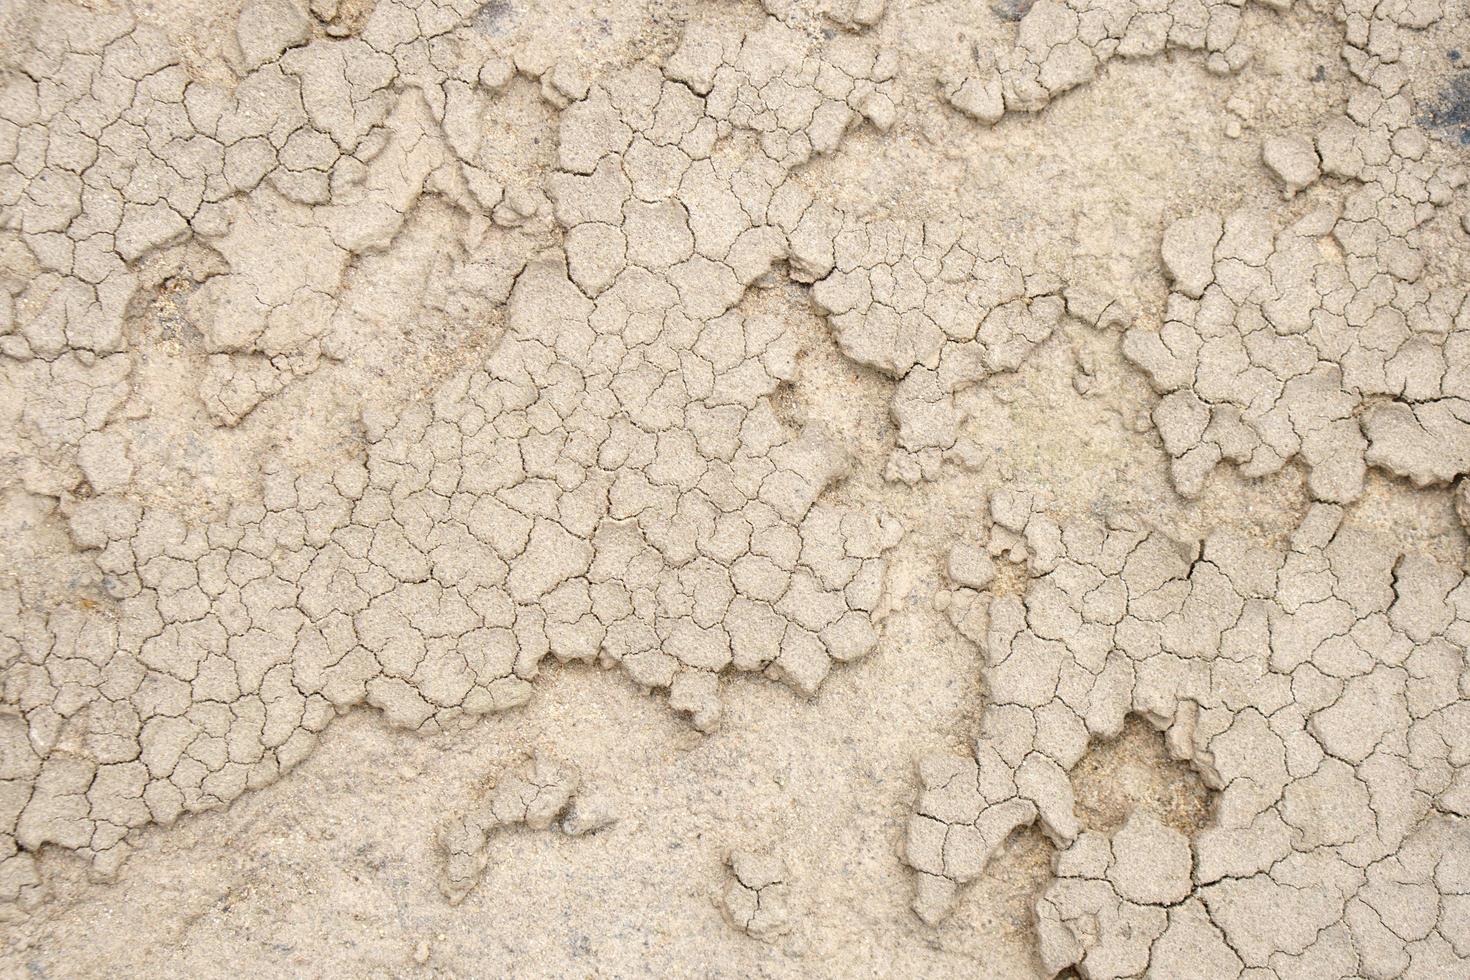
(722, 489)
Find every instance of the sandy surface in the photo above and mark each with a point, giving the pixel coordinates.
(678, 488)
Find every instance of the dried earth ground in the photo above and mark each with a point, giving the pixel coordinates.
(828, 487)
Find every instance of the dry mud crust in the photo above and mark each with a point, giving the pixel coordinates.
(960, 495)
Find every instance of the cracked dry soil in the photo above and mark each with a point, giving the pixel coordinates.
(724, 489)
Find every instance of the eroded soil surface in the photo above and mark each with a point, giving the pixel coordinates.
(724, 489)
